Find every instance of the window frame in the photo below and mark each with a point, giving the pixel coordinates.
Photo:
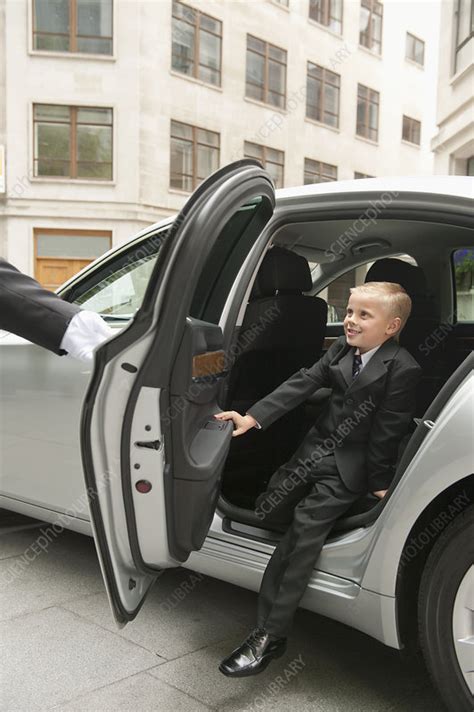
(197, 43)
(265, 160)
(367, 102)
(73, 36)
(73, 109)
(327, 16)
(266, 64)
(324, 83)
(370, 6)
(458, 46)
(416, 40)
(319, 172)
(412, 125)
(195, 143)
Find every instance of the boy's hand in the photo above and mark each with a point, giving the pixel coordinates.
(380, 493)
(241, 422)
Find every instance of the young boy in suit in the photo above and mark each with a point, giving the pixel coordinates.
(350, 450)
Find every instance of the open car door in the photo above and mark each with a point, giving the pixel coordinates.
(152, 452)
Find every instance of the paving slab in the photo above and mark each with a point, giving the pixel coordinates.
(141, 693)
(52, 656)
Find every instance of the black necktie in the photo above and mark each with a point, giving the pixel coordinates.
(356, 365)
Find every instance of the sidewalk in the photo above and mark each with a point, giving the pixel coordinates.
(60, 648)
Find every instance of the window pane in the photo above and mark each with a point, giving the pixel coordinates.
(331, 99)
(48, 167)
(94, 143)
(88, 246)
(211, 76)
(52, 141)
(276, 173)
(253, 150)
(183, 47)
(313, 102)
(209, 50)
(464, 20)
(254, 92)
(210, 137)
(96, 171)
(94, 116)
(52, 43)
(364, 19)
(376, 32)
(276, 77)
(255, 68)
(276, 99)
(184, 12)
(277, 54)
(315, 71)
(208, 23)
(53, 112)
(256, 44)
(52, 16)
(419, 52)
(94, 17)
(207, 161)
(373, 115)
(274, 155)
(464, 275)
(91, 45)
(180, 130)
(181, 164)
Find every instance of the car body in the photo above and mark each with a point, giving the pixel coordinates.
(139, 423)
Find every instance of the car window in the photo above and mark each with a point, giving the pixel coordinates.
(336, 294)
(116, 291)
(463, 265)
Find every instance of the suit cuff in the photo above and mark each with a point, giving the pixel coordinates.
(257, 425)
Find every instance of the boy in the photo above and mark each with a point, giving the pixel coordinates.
(351, 449)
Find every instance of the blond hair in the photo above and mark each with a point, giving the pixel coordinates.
(393, 297)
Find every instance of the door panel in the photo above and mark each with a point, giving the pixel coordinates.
(152, 453)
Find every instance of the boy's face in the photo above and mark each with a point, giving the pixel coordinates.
(367, 323)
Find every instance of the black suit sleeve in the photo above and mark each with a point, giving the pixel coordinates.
(390, 424)
(295, 389)
(28, 310)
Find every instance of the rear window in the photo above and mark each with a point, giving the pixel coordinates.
(463, 268)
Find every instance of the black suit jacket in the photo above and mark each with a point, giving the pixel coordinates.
(28, 310)
(364, 419)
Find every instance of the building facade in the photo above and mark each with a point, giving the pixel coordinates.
(453, 144)
(112, 111)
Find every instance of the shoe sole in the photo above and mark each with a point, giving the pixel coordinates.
(265, 663)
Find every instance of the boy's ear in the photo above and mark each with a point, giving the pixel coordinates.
(394, 326)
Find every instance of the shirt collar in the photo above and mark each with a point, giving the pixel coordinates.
(368, 354)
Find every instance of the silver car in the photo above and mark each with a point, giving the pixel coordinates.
(202, 325)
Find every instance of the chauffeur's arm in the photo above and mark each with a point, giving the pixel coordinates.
(390, 424)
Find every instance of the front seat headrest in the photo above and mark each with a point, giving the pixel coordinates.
(282, 270)
(391, 269)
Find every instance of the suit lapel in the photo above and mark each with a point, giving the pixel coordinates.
(374, 369)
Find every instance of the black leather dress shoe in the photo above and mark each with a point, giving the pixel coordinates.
(253, 655)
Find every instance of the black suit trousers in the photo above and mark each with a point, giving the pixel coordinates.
(313, 497)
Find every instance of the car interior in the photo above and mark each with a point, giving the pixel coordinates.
(294, 313)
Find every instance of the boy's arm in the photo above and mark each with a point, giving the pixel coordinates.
(390, 424)
(295, 389)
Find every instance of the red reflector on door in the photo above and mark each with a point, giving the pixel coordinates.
(143, 486)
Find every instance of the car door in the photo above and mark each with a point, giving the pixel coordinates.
(152, 452)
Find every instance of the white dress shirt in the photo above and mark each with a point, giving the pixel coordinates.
(85, 332)
(365, 360)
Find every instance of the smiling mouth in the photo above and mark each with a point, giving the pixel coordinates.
(351, 332)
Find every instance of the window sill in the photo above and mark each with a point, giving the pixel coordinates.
(195, 80)
(371, 52)
(325, 28)
(415, 64)
(263, 105)
(322, 124)
(409, 143)
(457, 77)
(366, 140)
(177, 191)
(72, 55)
(71, 181)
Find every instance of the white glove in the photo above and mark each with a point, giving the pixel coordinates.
(86, 331)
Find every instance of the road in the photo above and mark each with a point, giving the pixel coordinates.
(60, 648)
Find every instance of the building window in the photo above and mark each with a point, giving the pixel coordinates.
(266, 72)
(411, 130)
(370, 31)
(72, 142)
(464, 33)
(463, 264)
(415, 49)
(367, 112)
(322, 95)
(358, 175)
(73, 26)
(470, 166)
(271, 159)
(60, 254)
(318, 172)
(194, 155)
(327, 13)
(196, 44)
